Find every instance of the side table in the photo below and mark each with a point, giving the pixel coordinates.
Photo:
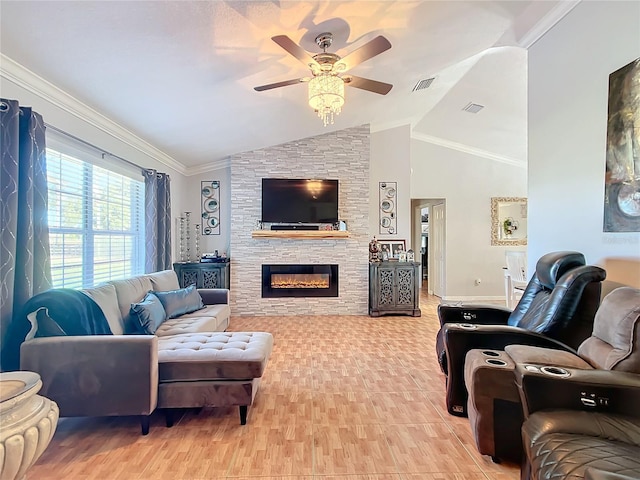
(203, 275)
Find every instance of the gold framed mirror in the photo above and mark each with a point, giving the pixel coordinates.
(508, 221)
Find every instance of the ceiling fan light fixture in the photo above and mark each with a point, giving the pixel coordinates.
(326, 96)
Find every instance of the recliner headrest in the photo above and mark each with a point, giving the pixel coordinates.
(552, 266)
(615, 342)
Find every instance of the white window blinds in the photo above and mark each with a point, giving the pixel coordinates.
(96, 221)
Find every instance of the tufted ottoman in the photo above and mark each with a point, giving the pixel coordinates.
(212, 369)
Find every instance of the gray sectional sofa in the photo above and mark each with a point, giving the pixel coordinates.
(190, 361)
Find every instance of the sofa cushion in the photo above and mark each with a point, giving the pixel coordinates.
(213, 356)
(221, 311)
(148, 314)
(191, 324)
(106, 298)
(181, 301)
(164, 281)
(130, 290)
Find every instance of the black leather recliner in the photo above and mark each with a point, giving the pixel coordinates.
(556, 310)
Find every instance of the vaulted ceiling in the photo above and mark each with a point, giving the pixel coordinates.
(180, 74)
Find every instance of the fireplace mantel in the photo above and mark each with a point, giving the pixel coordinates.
(301, 234)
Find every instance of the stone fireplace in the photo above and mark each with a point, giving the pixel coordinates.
(342, 155)
(297, 280)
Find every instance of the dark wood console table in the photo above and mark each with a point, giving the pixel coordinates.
(394, 288)
(203, 275)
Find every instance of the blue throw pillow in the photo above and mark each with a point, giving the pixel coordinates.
(179, 302)
(148, 314)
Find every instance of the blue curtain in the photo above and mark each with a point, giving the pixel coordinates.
(157, 206)
(25, 268)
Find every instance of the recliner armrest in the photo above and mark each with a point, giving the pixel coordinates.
(214, 296)
(546, 356)
(460, 338)
(545, 387)
(476, 314)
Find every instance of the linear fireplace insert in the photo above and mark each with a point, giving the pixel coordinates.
(295, 280)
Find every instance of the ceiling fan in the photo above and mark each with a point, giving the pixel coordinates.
(326, 85)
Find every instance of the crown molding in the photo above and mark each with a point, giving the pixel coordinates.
(388, 125)
(467, 149)
(25, 78)
(209, 167)
(547, 22)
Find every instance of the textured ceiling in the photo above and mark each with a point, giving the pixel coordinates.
(180, 74)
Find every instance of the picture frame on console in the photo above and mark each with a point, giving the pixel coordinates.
(394, 247)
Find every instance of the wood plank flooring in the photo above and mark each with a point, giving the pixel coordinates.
(343, 398)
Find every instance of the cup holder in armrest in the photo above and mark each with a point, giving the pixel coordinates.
(555, 371)
(467, 326)
(495, 362)
(490, 353)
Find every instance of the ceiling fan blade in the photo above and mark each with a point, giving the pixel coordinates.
(368, 84)
(365, 52)
(261, 88)
(294, 49)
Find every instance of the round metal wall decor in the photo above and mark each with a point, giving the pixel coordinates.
(387, 201)
(211, 205)
(210, 193)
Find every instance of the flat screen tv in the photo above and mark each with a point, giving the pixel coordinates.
(287, 200)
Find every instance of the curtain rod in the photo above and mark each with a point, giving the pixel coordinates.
(104, 152)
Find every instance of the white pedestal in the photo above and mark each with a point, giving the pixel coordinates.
(27, 422)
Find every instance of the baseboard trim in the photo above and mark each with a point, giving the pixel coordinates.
(476, 299)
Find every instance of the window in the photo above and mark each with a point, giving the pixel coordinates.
(96, 222)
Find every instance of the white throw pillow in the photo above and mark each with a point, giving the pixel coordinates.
(164, 281)
(106, 298)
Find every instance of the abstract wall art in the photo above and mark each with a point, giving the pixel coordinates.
(622, 174)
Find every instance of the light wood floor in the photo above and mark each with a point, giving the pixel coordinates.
(344, 397)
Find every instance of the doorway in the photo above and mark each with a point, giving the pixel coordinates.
(428, 231)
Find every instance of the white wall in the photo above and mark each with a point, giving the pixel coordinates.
(191, 200)
(390, 162)
(467, 182)
(568, 91)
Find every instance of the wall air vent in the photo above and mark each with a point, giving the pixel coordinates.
(473, 108)
(422, 84)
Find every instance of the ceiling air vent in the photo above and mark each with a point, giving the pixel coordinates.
(422, 84)
(473, 108)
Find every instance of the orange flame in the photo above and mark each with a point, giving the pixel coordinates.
(299, 280)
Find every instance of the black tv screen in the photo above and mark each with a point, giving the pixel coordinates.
(286, 200)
